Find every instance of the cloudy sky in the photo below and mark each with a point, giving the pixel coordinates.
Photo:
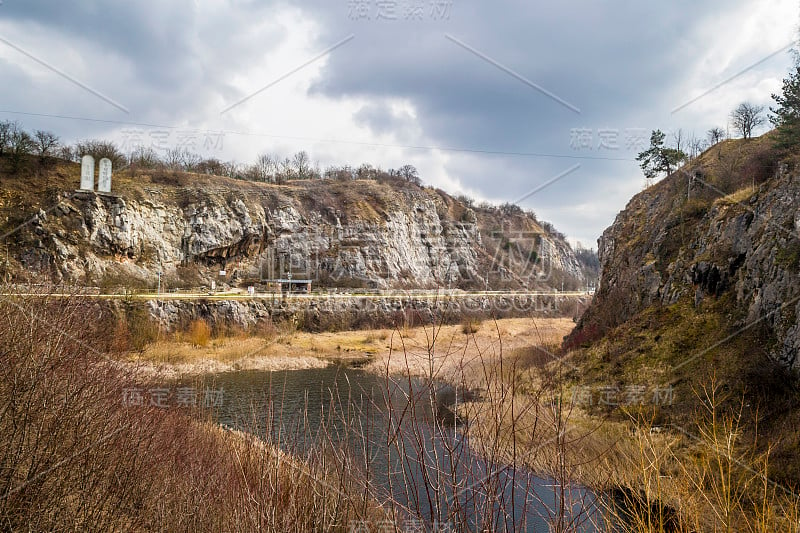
(541, 104)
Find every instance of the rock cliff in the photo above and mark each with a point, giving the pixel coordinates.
(362, 233)
(722, 234)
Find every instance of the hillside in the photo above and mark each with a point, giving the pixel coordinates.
(358, 233)
(700, 290)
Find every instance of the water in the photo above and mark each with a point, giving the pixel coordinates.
(402, 437)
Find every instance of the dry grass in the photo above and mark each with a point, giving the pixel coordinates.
(711, 479)
(284, 348)
(707, 478)
(738, 197)
(173, 359)
(75, 457)
(199, 332)
(470, 326)
(450, 354)
(72, 457)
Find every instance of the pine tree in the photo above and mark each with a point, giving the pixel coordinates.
(786, 116)
(658, 158)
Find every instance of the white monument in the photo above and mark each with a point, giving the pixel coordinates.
(104, 178)
(87, 173)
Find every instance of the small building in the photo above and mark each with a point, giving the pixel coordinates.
(289, 286)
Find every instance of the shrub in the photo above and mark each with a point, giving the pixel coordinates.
(139, 329)
(77, 454)
(199, 332)
(470, 326)
(100, 149)
(694, 208)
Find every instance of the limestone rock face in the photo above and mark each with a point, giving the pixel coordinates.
(323, 312)
(668, 244)
(355, 234)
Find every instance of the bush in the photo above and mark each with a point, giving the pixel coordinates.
(100, 149)
(78, 454)
(199, 332)
(470, 326)
(137, 330)
(694, 208)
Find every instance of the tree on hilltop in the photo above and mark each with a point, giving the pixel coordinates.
(715, 135)
(746, 118)
(658, 158)
(20, 144)
(302, 165)
(99, 149)
(409, 173)
(46, 143)
(6, 127)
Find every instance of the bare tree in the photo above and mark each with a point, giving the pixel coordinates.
(172, 159)
(285, 172)
(679, 140)
(211, 166)
(46, 143)
(345, 173)
(181, 159)
(715, 135)
(696, 146)
(302, 164)
(409, 173)
(6, 127)
(231, 169)
(265, 168)
(746, 118)
(315, 173)
(67, 153)
(190, 160)
(144, 157)
(20, 144)
(366, 172)
(100, 149)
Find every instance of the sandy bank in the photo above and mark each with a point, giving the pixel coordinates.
(442, 352)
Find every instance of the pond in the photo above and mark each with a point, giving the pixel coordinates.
(403, 437)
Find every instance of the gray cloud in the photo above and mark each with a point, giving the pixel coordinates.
(621, 63)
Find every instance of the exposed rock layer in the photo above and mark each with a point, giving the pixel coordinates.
(691, 237)
(358, 234)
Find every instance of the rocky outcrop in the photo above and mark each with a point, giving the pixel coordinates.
(358, 234)
(329, 312)
(689, 237)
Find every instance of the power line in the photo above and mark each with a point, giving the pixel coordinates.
(331, 141)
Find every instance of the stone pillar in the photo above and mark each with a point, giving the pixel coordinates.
(104, 179)
(87, 173)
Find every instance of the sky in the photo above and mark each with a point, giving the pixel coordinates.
(544, 105)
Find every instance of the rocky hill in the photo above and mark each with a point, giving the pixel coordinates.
(726, 227)
(359, 233)
(700, 287)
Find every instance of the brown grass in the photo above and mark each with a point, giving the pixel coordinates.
(708, 477)
(470, 326)
(199, 332)
(738, 197)
(451, 353)
(284, 348)
(75, 456)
